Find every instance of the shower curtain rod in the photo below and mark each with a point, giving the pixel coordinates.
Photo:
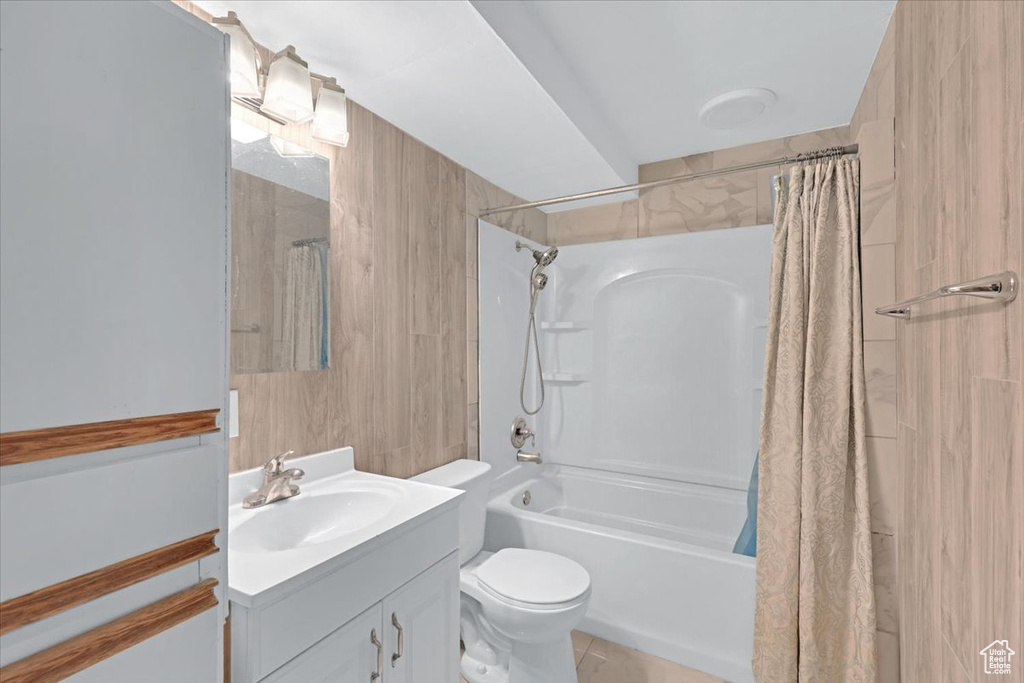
(780, 161)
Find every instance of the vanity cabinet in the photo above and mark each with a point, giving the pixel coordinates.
(326, 625)
(415, 627)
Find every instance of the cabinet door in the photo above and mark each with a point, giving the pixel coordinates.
(421, 623)
(346, 656)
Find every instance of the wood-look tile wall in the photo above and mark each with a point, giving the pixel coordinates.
(958, 70)
(396, 388)
(402, 386)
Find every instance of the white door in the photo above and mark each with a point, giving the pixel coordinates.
(114, 160)
(421, 620)
(349, 655)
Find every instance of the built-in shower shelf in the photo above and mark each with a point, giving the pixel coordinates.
(566, 377)
(565, 325)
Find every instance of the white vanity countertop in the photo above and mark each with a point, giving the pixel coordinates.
(339, 515)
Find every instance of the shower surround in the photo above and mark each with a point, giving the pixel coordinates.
(653, 354)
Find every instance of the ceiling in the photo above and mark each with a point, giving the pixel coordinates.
(553, 98)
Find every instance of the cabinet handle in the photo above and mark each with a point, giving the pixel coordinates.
(401, 640)
(380, 655)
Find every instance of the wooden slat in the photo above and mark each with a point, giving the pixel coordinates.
(45, 602)
(81, 652)
(54, 442)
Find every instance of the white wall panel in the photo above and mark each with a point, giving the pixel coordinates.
(504, 305)
(655, 348)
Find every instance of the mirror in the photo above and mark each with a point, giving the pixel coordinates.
(280, 259)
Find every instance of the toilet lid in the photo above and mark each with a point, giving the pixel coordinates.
(533, 576)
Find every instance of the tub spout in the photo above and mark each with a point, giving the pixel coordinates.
(524, 456)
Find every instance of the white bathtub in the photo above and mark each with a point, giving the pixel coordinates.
(664, 577)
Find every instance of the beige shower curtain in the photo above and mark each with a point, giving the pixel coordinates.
(302, 326)
(815, 612)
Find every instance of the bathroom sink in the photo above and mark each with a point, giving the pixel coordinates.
(339, 515)
(310, 519)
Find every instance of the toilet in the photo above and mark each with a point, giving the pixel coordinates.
(518, 607)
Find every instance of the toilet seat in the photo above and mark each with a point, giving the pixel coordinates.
(533, 578)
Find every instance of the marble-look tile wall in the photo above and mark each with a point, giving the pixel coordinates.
(402, 386)
(873, 128)
(959, 202)
(728, 201)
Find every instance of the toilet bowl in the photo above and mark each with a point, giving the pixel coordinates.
(518, 607)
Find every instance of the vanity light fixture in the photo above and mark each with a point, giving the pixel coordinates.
(288, 149)
(330, 122)
(244, 58)
(245, 132)
(289, 94)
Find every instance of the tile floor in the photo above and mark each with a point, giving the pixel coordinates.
(599, 661)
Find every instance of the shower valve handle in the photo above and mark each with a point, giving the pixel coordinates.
(520, 432)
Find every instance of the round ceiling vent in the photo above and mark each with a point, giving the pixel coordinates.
(736, 108)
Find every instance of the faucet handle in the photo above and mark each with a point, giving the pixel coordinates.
(276, 464)
(520, 433)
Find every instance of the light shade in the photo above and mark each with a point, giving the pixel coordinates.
(289, 149)
(289, 95)
(330, 122)
(245, 64)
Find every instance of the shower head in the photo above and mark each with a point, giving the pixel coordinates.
(543, 258)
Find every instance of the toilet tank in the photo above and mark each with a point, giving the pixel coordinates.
(473, 477)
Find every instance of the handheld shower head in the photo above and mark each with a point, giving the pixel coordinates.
(538, 280)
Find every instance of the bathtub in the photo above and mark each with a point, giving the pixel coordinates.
(663, 574)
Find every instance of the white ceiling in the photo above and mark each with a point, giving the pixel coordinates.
(438, 71)
(552, 98)
(647, 67)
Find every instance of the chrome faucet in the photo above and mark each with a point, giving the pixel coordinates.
(277, 483)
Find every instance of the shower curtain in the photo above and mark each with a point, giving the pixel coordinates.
(304, 327)
(815, 610)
